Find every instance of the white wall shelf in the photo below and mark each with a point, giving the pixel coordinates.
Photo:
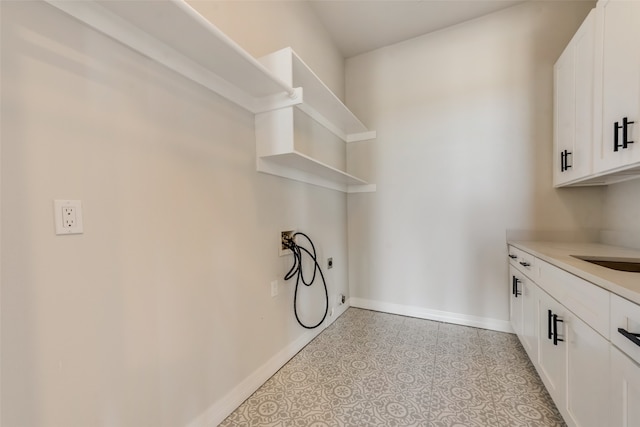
(275, 136)
(319, 101)
(173, 34)
(300, 167)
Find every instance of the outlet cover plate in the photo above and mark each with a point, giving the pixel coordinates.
(68, 216)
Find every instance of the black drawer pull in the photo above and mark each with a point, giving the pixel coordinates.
(513, 256)
(525, 264)
(634, 338)
(549, 326)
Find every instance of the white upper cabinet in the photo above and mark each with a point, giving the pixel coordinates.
(597, 99)
(573, 102)
(619, 144)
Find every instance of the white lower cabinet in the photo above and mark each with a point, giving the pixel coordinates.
(529, 328)
(515, 302)
(587, 374)
(573, 364)
(625, 391)
(552, 361)
(523, 310)
(625, 363)
(580, 368)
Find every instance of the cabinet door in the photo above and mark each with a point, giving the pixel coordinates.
(625, 391)
(620, 22)
(564, 120)
(587, 374)
(515, 301)
(573, 99)
(530, 319)
(552, 354)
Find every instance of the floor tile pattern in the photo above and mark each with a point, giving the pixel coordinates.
(378, 369)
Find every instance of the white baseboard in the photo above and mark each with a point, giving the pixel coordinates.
(337, 312)
(441, 316)
(221, 409)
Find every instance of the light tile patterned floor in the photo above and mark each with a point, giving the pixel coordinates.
(377, 369)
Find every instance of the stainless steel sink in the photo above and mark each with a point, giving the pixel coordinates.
(620, 264)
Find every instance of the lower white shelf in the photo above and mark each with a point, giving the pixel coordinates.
(300, 167)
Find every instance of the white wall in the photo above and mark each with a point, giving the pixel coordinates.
(621, 212)
(262, 27)
(162, 307)
(463, 154)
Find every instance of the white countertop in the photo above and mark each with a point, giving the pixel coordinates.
(622, 283)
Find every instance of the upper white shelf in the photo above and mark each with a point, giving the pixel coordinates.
(319, 101)
(173, 34)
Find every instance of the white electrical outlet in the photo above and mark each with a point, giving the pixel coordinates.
(68, 216)
(274, 288)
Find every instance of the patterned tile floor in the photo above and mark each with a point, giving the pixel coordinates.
(377, 369)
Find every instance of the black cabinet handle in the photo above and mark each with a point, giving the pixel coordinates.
(555, 329)
(524, 264)
(514, 289)
(549, 326)
(616, 145)
(634, 338)
(564, 160)
(625, 134)
(513, 285)
(513, 256)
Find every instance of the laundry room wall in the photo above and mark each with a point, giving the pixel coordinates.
(161, 313)
(620, 225)
(462, 155)
(262, 27)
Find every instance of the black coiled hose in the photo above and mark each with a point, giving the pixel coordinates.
(296, 270)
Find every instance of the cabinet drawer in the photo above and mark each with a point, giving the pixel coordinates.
(625, 315)
(586, 300)
(523, 261)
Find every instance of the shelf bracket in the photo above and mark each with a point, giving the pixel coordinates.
(281, 100)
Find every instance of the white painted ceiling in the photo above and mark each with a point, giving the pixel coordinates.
(358, 26)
